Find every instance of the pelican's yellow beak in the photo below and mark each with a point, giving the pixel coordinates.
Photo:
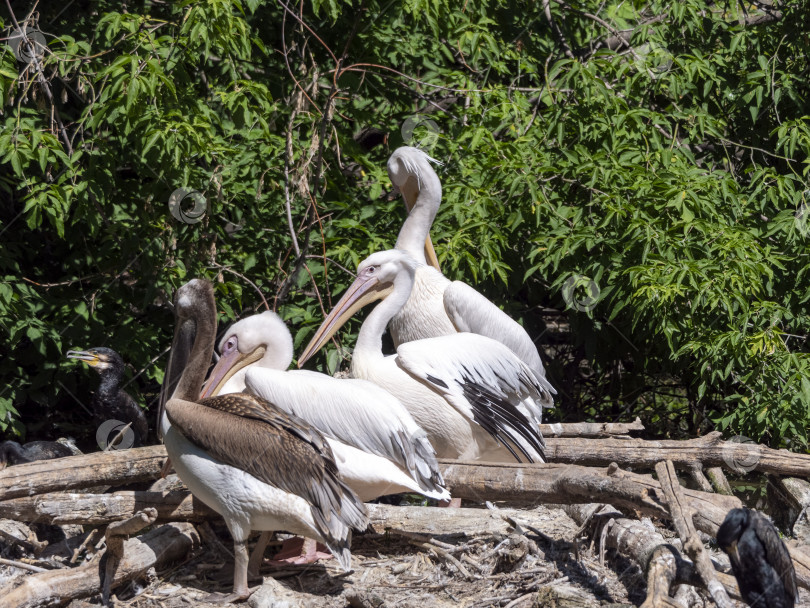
(364, 290)
(430, 254)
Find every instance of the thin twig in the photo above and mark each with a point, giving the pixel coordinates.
(557, 31)
(40, 77)
(331, 261)
(147, 366)
(21, 565)
(244, 278)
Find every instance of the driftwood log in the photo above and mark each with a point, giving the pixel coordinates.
(590, 429)
(155, 548)
(661, 574)
(62, 508)
(115, 540)
(789, 503)
(682, 519)
(569, 484)
(641, 542)
(117, 467)
(519, 483)
(121, 467)
(709, 450)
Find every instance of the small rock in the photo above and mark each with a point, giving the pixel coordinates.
(272, 594)
(167, 484)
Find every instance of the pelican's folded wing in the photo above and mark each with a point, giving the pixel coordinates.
(472, 312)
(486, 382)
(356, 412)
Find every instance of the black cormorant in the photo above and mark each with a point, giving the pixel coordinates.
(110, 401)
(759, 559)
(12, 452)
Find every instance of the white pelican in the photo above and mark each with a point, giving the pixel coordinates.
(378, 447)
(472, 395)
(438, 306)
(259, 467)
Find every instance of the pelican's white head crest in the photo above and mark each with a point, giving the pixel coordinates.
(404, 163)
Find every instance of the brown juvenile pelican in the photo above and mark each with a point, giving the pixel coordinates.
(259, 467)
(378, 447)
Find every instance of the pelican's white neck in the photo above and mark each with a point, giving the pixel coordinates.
(424, 186)
(369, 340)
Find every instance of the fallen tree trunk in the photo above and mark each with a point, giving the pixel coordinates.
(642, 543)
(628, 534)
(117, 467)
(569, 484)
(709, 450)
(121, 467)
(789, 502)
(682, 519)
(102, 509)
(590, 429)
(155, 548)
(521, 483)
(430, 520)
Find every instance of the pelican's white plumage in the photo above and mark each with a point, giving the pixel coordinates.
(472, 394)
(378, 447)
(438, 306)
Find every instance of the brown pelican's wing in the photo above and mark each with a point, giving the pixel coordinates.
(281, 450)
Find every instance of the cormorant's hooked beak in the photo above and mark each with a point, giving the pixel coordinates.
(364, 290)
(733, 555)
(90, 357)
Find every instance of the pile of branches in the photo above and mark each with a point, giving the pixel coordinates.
(596, 470)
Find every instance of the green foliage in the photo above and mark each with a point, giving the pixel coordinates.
(630, 184)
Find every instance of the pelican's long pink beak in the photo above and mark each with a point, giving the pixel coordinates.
(226, 367)
(364, 290)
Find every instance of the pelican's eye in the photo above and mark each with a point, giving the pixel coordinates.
(229, 345)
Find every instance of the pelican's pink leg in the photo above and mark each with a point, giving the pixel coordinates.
(300, 551)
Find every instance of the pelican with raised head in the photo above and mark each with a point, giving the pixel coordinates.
(471, 394)
(259, 467)
(378, 447)
(438, 306)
